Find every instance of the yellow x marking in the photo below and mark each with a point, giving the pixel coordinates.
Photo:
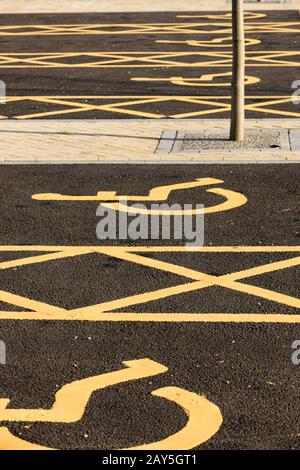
(146, 59)
(137, 105)
(148, 28)
(197, 280)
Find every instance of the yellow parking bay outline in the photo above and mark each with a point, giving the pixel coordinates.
(196, 280)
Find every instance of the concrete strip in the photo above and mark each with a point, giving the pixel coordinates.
(116, 140)
(284, 140)
(154, 162)
(178, 143)
(295, 140)
(101, 6)
(166, 141)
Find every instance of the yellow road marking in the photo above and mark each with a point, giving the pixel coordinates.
(10, 442)
(182, 59)
(222, 27)
(159, 193)
(203, 417)
(206, 80)
(196, 280)
(249, 15)
(71, 400)
(135, 105)
(233, 199)
(41, 258)
(215, 43)
(29, 304)
(204, 420)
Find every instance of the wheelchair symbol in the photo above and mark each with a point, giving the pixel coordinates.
(206, 80)
(233, 199)
(203, 417)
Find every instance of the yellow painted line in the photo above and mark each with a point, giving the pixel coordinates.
(158, 193)
(216, 42)
(210, 249)
(249, 15)
(206, 80)
(29, 304)
(233, 199)
(146, 59)
(155, 248)
(261, 292)
(148, 28)
(71, 400)
(204, 280)
(42, 258)
(161, 317)
(146, 97)
(196, 280)
(204, 420)
(137, 299)
(124, 104)
(203, 417)
(10, 442)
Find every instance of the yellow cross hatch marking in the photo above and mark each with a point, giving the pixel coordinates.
(196, 280)
(222, 27)
(146, 59)
(136, 105)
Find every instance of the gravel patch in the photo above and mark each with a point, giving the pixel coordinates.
(197, 142)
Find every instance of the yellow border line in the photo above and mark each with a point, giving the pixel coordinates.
(264, 318)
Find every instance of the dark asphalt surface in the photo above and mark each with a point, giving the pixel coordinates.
(116, 82)
(245, 369)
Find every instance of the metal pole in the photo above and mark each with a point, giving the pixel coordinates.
(238, 72)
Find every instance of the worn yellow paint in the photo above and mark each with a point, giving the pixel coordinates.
(204, 420)
(195, 280)
(137, 105)
(72, 399)
(203, 417)
(206, 80)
